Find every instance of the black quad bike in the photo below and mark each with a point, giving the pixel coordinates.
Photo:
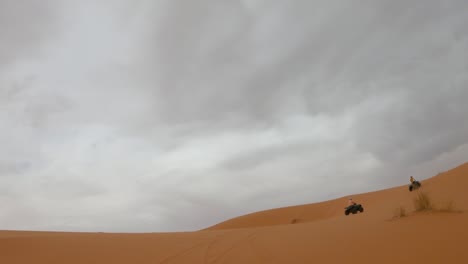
(414, 185)
(353, 209)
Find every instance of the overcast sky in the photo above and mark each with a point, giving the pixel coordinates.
(150, 116)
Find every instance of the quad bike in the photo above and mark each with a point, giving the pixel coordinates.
(414, 185)
(353, 209)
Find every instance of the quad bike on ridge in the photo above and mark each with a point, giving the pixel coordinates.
(354, 209)
(414, 185)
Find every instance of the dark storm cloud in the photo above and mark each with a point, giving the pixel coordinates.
(284, 52)
(418, 126)
(352, 54)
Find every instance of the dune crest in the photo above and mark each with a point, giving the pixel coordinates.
(444, 188)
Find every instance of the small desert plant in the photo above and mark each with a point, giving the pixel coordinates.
(423, 202)
(399, 212)
(448, 207)
(294, 220)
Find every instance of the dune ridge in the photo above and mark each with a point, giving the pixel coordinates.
(311, 233)
(444, 187)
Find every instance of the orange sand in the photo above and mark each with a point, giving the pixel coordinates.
(313, 233)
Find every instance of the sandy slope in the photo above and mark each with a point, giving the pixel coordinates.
(320, 234)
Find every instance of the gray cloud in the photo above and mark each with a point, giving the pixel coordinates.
(131, 116)
(24, 27)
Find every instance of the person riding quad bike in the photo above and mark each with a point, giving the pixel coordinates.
(414, 184)
(353, 207)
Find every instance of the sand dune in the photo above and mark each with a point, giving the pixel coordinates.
(313, 233)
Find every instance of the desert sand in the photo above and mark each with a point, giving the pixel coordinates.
(312, 233)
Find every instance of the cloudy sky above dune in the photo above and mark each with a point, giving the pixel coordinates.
(142, 116)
